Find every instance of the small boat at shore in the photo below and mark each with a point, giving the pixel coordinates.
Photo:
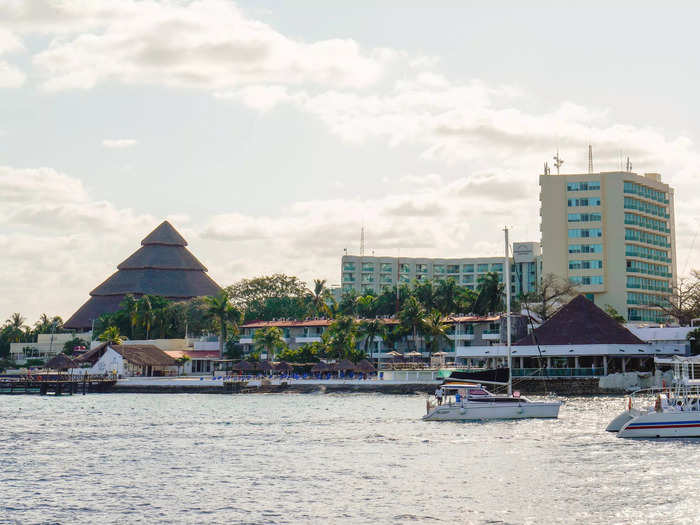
(675, 412)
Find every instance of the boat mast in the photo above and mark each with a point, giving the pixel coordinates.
(507, 275)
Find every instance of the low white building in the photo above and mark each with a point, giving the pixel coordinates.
(123, 360)
(46, 346)
(579, 340)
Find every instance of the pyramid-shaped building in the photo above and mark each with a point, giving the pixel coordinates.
(580, 322)
(162, 266)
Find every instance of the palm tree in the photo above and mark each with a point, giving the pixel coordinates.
(131, 307)
(145, 309)
(320, 298)
(490, 292)
(219, 308)
(342, 335)
(111, 335)
(435, 330)
(181, 361)
(365, 305)
(411, 318)
(370, 330)
(269, 339)
(162, 316)
(446, 295)
(16, 327)
(43, 325)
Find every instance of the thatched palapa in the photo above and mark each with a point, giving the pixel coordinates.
(162, 266)
(61, 362)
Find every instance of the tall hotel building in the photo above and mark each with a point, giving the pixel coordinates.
(613, 234)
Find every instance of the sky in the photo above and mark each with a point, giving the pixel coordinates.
(269, 132)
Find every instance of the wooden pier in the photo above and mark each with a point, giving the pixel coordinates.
(55, 384)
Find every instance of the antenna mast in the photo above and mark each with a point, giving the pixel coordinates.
(590, 159)
(362, 241)
(557, 161)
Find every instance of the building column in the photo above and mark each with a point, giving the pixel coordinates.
(522, 362)
(576, 362)
(605, 365)
(549, 362)
(624, 368)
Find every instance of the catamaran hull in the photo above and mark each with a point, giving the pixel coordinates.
(486, 411)
(662, 425)
(616, 424)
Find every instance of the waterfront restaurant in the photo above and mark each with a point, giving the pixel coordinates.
(577, 341)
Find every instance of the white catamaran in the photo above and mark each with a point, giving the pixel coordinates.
(675, 411)
(473, 402)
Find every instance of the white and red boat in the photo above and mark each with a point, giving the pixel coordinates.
(675, 412)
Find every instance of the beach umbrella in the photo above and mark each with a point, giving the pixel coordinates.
(346, 365)
(244, 366)
(283, 366)
(394, 353)
(320, 367)
(365, 367)
(265, 366)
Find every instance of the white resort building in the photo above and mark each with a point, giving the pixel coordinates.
(374, 273)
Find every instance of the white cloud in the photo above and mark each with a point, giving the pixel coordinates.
(207, 44)
(10, 76)
(119, 143)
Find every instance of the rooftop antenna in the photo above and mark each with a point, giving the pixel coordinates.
(362, 241)
(628, 166)
(557, 161)
(590, 159)
(546, 168)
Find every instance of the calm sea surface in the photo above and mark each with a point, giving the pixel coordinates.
(130, 458)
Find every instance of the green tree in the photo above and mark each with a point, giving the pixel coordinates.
(221, 310)
(411, 318)
(270, 339)
(111, 335)
(365, 306)
(435, 330)
(612, 312)
(181, 362)
(369, 330)
(131, 308)
(447, 295)
(146, 314)
(69, 346)
(272, 296)
(342, 337)
(425, 292)
(490, 298)
(16, 327)
(321, 298)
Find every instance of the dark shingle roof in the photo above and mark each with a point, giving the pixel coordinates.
(164, 234)
(162, 257)
(580, 322)
(162, 266)
(168, 283)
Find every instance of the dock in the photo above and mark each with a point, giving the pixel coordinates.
(56, 384)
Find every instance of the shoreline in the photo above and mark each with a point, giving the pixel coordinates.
(531, 386)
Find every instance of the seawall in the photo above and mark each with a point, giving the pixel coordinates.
(529, 386)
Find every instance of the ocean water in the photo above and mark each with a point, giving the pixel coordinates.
(132, 458)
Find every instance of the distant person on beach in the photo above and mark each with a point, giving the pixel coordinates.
(438, 395)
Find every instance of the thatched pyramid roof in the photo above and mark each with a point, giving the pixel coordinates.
(162, 266)
(61, 362)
